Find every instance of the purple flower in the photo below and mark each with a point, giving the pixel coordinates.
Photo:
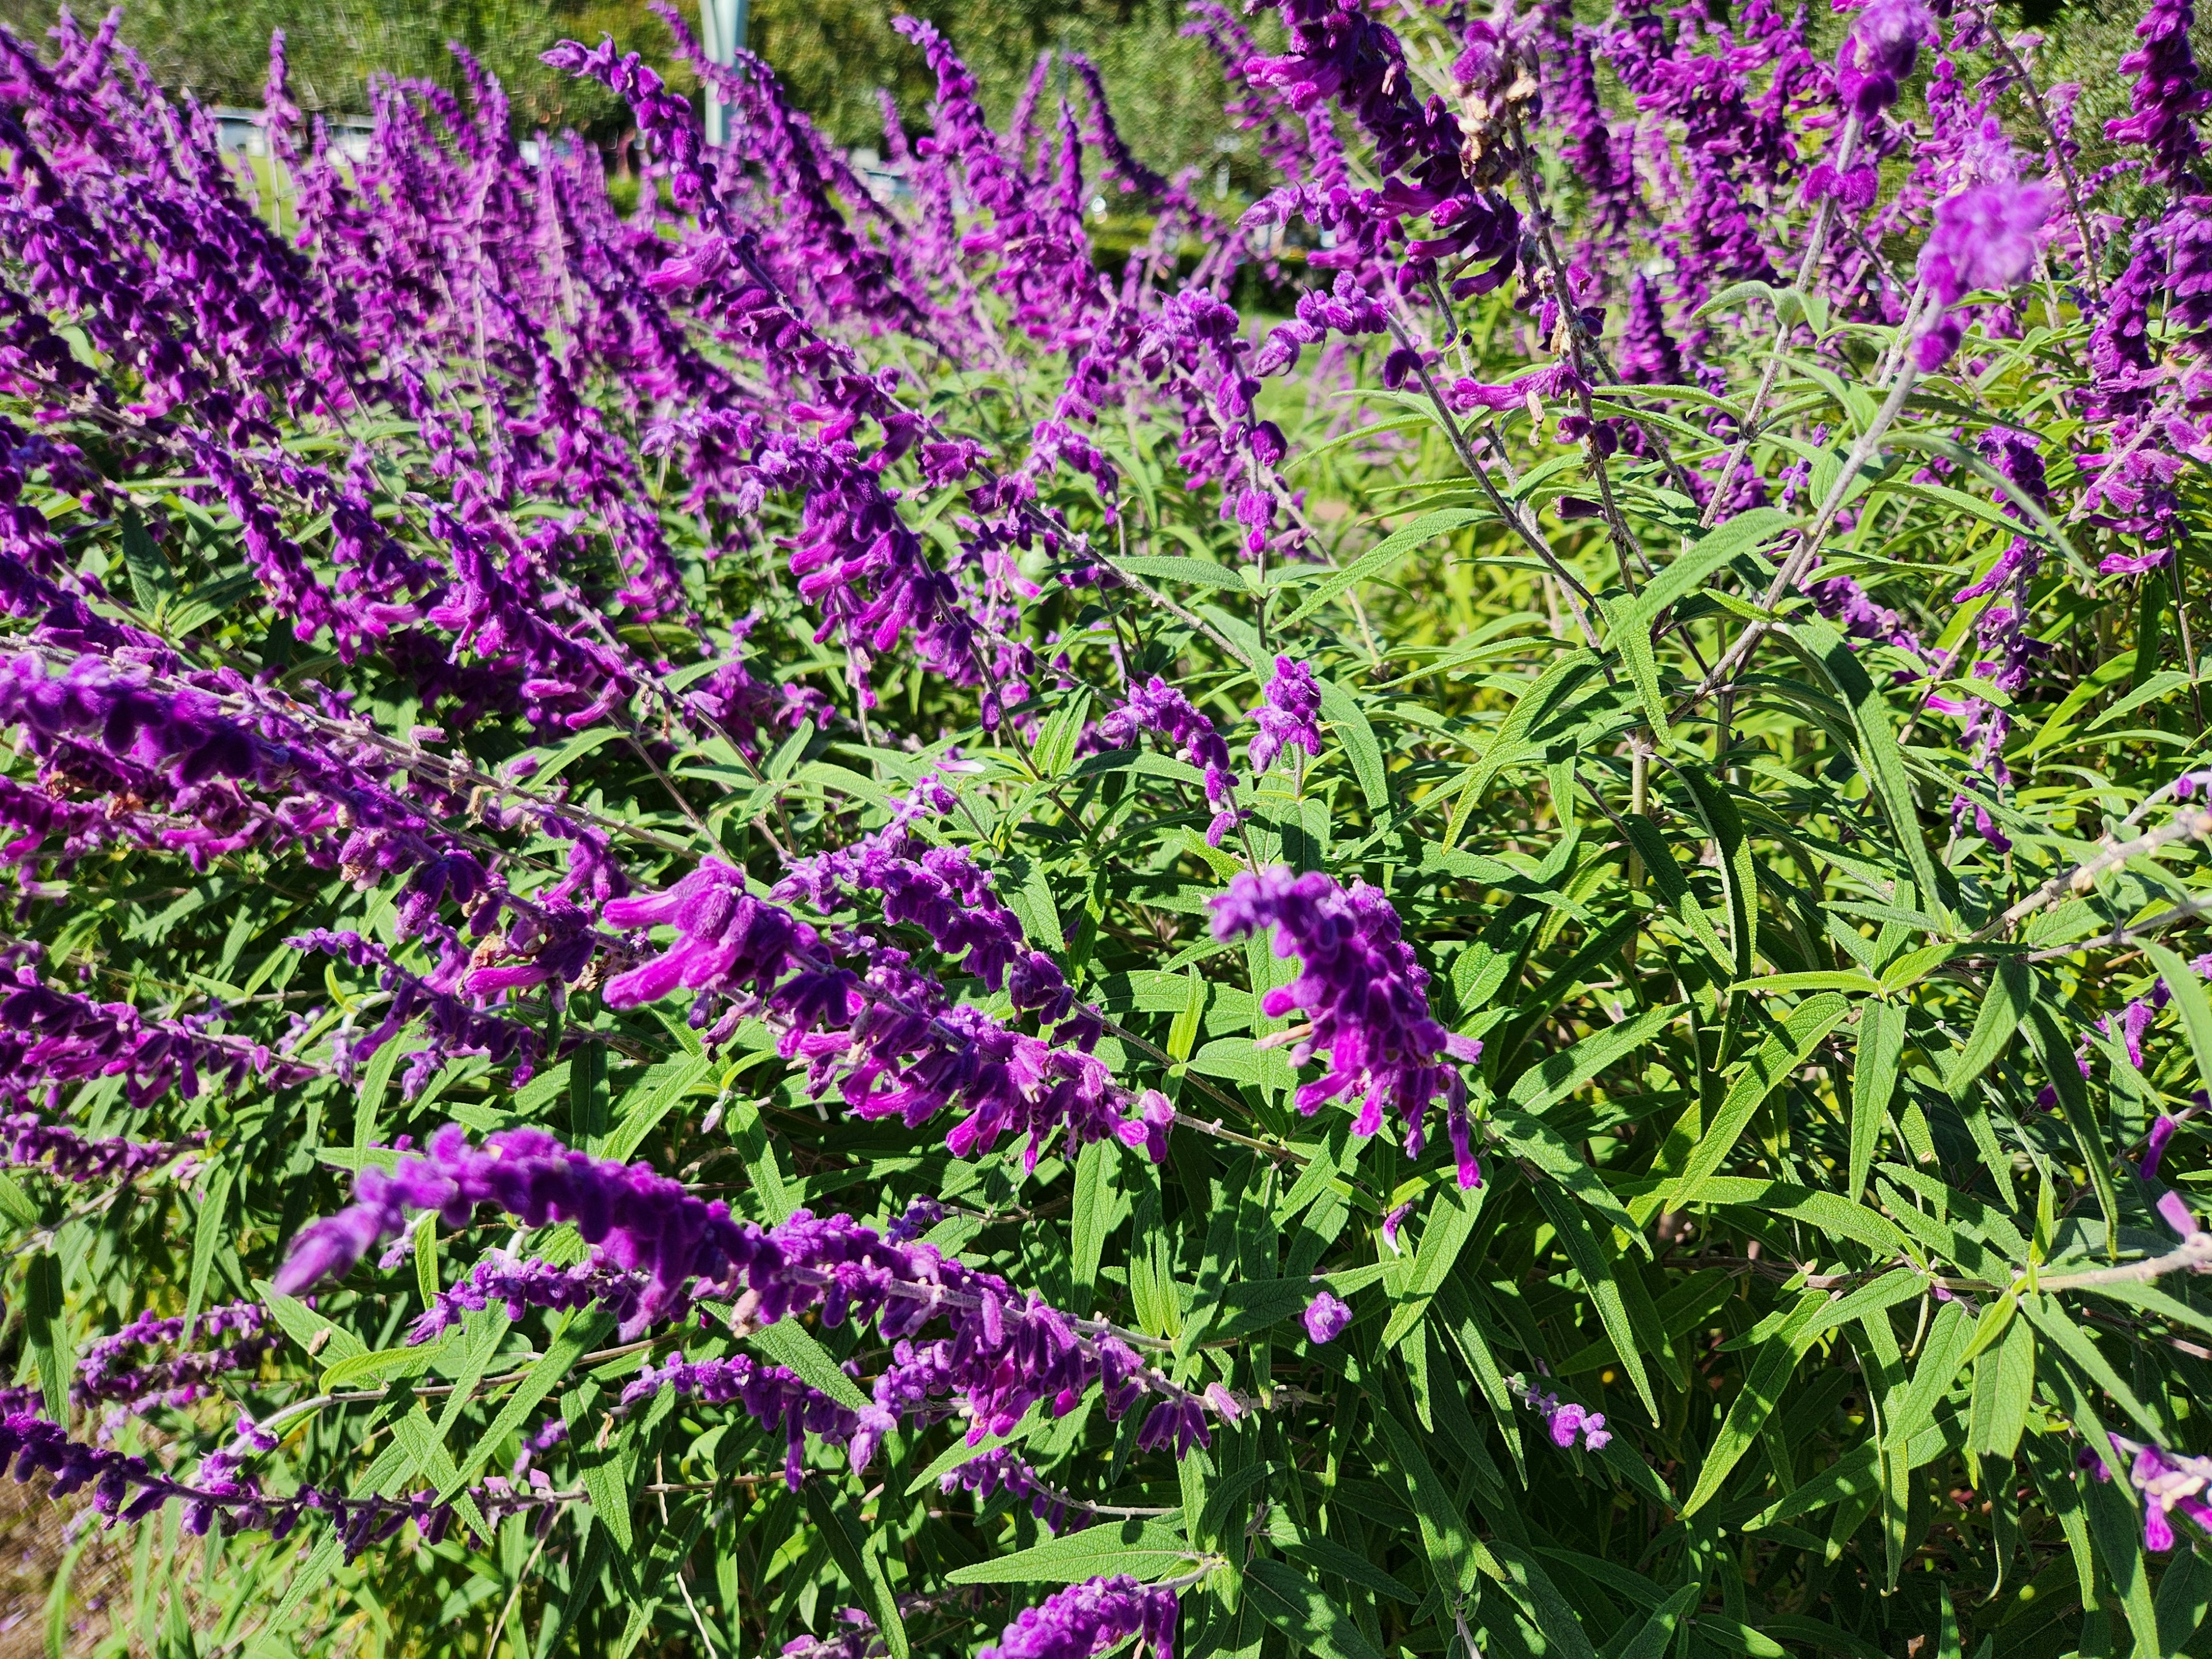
(1287, 715)
(1326, 1316)
(1366, 997)
(1984, 238)
(1393, 1221)
(1571, 1419)
(1087, 1619)
(2162, 1132)
(1004, 1351)
(2169, 1481)
(1564, 1421)
(1159, 707)
(1879, 53)
(2165, 101)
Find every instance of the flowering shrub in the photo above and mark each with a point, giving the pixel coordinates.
(750, 925)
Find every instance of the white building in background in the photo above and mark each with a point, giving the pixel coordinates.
(240, 130)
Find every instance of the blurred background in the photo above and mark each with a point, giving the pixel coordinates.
(834, 54)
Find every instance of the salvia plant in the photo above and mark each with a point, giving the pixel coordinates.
(807, 923)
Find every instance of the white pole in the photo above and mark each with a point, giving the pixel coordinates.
(721, 34)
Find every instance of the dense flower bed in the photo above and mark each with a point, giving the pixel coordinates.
(785, 923)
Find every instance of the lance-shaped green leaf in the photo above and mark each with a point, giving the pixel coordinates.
(1297, 1606)
(2189, 1000)
(1378, 560)
(1832, 655)
(1739, 874)
(1771, 1066)
(1763, 1387)
(1145, 1550)
(1628, 634)
(1687, 572)
(2054, 1049)
(1627, 1314)
(790, 1343)
(1649, 1640)
(2003, 1005)
(858, 1553)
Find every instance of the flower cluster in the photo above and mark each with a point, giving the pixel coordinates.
(887, 1034)
(109, 1371)
(1087, 1619)
(1005, 1353)
(1366, 999)
(1158, 708)
(1288, 714)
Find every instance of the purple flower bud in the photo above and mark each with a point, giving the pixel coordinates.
(1326, 1316)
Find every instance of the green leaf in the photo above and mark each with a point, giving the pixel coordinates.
(1561, 1073)
(1822, 980)
(45, 1324)
(1616, 1310)
(1325, 1554)
(2054, 1049)
(1776, 1061)
(208, 1235)
(1451, 1548)
(1376, 561)
(1095, 1204)
(860, 1554)
(1885, 763)
(2004, 1388)
(370, 1094)
(1649, 1640)
(1762, 1390)
(2189, 1000)
(1627, 632)
(1147, 1550)
(1688, 570)
(385, 1365)
(571, 1345)
(1196, 572)
(2011, 988)
(1298, 1607)
(152, 580)
(789, 1344)
(1450, 1225)
(1349, 722)
(1873, 1080)
(1739, 874)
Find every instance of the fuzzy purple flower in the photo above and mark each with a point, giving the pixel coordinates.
(1326, 1316)
(1879, 52)
(1287, 715)
(1367, 1000)
(2165, 101)
(1159, 707)
(1088, 1618)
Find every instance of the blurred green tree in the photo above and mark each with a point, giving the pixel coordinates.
(834, 54)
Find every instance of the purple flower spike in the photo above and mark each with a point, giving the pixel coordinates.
(1881, 49)
(1159, 707)
(2164, 101)
(1984, 238)
(1287, 717)
(1326, 1316)
(1366, 996)
(1090, 1618)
